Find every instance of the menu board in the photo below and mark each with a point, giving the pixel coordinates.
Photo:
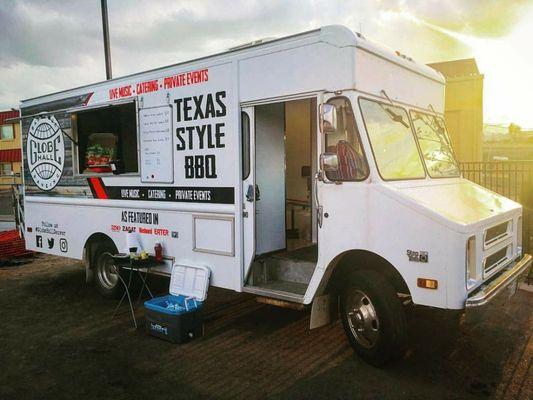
(156, 144)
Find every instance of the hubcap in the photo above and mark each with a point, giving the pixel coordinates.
(362, 319)
(107, 272)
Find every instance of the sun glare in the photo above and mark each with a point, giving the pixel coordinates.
(506, 63)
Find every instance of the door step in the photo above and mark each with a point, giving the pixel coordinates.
(283, 276)
(274, 269)
(280, 303)
(282, 290)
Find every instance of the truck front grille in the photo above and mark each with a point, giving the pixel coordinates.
(497, 233)
(495, 260)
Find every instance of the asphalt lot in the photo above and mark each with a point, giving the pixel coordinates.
(57, 340)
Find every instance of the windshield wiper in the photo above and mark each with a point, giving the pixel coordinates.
(395, 117)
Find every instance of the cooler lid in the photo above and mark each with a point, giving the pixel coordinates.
(190, 281)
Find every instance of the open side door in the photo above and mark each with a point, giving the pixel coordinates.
(248, 185)
(277, 266)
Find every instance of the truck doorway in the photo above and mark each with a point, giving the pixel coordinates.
(285, 228)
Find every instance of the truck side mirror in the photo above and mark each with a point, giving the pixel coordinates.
(329, 162)
(328, 118)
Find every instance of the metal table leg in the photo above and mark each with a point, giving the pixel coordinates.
(126, 293)
(144, 285)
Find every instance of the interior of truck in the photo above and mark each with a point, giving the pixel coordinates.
(106, 135)
(286, 248)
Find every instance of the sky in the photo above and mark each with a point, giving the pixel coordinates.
(51, 45)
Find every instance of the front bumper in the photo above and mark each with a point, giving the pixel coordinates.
(507, 276)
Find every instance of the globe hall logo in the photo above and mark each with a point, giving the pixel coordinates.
(45, 152)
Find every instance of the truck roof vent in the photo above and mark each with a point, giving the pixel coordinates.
(252, 43)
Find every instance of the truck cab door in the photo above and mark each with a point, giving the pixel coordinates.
(249, 189)
(341, 181)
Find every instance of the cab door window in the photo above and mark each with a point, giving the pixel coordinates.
(345, 142)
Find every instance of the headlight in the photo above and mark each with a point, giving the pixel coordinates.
(519, 236)
(470, 260)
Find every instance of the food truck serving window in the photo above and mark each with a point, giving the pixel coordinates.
(107, 137)
(392, 140)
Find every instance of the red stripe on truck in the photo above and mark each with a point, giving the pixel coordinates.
(98, 188)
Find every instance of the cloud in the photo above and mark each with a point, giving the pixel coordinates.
(48, 33)
(51, 45)
(21, 81)
(493, 18)
(192, 30)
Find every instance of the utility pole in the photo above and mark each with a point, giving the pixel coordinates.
(107, 50)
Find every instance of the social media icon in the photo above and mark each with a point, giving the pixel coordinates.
(63, 245)
(39, 241)
(51, 243)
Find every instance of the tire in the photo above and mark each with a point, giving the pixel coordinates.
(373, 318)
(106, 279)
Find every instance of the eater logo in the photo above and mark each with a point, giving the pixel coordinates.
(45, 152)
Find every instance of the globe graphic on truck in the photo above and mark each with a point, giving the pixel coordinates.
(45, 131)
(46, 152)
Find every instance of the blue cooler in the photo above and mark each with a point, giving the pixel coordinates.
(177, 316)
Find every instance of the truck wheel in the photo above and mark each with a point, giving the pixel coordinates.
(373, 318)
(107, 281)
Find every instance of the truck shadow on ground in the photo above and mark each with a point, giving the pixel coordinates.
(59, 331)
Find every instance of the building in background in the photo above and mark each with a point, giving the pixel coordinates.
(464, 107)
(10, 151)
(507, 142)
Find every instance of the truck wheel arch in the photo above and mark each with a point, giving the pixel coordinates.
(345, 264)
(89, 252)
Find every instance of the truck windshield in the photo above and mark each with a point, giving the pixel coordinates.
(435, 145)
(392, 140)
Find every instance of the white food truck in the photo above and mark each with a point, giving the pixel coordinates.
(313, 170)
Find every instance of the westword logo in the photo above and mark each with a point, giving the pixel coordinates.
(45, 151)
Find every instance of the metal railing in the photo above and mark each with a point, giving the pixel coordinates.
(18, 208)
(512, 179)
(9, 180)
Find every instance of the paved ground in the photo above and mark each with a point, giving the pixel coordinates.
(57, 340)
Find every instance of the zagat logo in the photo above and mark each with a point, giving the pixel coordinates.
(45, 152)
